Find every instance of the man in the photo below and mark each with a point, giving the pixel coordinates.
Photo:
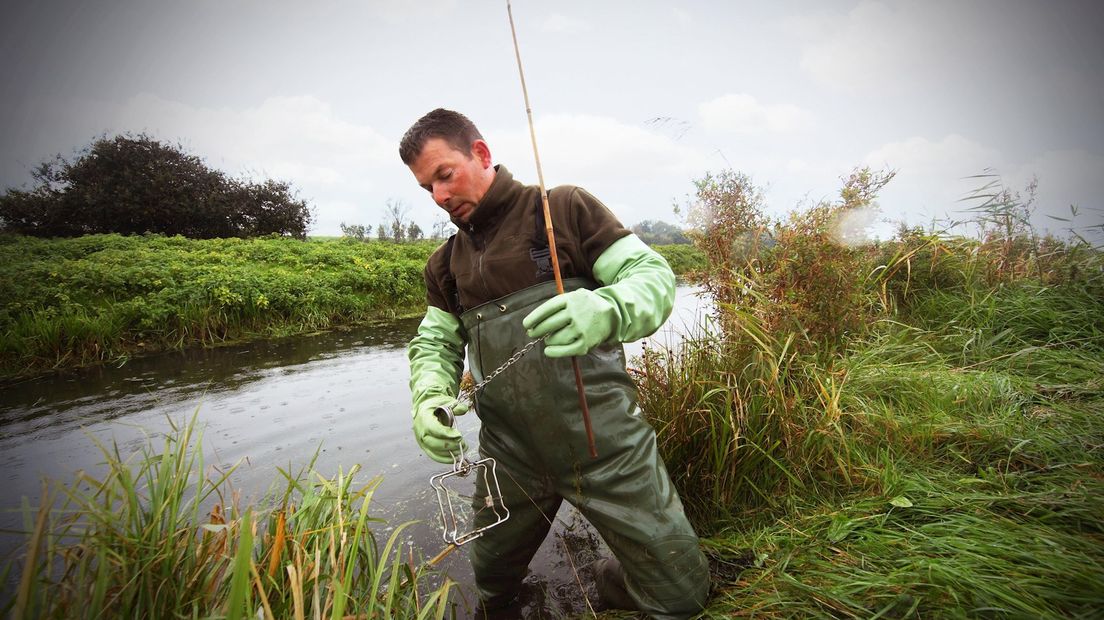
(491, 291)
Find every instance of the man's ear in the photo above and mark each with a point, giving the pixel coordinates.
(482, 152)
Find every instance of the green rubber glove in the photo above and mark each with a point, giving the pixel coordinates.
(637, 295)
(436, 357)
(574, 322)
(438, 440)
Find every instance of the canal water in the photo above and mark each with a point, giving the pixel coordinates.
(340, 395)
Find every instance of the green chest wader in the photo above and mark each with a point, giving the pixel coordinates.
(533, 427)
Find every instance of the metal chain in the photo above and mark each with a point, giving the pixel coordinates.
(469, 395)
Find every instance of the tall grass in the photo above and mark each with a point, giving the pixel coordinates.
(930, 445)
(160, 536)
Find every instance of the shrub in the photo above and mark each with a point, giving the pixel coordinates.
(792, 276)
(135, 184)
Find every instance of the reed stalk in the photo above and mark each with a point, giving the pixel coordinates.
(154, 537)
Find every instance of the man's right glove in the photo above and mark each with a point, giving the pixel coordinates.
(574, 322)
(440, 442)
(436, 360)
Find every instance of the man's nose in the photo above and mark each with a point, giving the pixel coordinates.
(440, 195)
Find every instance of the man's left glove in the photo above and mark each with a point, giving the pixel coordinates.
(575, 323)
(637, 292)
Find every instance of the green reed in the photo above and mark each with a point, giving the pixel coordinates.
(161, 535)
(941, 457)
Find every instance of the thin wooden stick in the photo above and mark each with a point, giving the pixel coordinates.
(551, 235)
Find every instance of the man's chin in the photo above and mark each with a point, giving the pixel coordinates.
(462, 215)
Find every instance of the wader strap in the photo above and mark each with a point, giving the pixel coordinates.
(539, 253)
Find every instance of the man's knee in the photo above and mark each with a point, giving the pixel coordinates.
(498, 575)
(670, 579)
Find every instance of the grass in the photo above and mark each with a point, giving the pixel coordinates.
(104, 298)
(989, 545)
(947, 461)
(160, 536)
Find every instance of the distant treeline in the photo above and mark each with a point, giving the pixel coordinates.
(655, 232)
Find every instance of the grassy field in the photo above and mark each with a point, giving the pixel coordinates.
(104, 298)
(70, 302)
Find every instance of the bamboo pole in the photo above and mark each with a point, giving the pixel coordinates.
(549, 231)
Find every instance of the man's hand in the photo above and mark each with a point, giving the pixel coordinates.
(438, 441)
(575, 323)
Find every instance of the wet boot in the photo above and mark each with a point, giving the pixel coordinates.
(610, 581)
(505, 608)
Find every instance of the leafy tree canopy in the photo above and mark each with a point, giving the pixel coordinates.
(655, 232)
(136, 184)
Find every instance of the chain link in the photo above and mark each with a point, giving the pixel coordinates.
(469, 395)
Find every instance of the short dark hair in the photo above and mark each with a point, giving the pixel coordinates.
(452, 127)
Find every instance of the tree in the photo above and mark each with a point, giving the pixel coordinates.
(135, 184)
(655, 232)
(413, 232)
(396, 211)
(442, 228)
(360, 232)
(381, 231)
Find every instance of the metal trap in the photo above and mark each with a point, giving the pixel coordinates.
(456, 493)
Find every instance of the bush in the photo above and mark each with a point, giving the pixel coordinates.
(683, 259)
(135, 185)
(793, 276)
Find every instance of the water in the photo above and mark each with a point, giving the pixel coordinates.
(342, 395)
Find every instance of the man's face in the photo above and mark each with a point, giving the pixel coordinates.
(456, 179)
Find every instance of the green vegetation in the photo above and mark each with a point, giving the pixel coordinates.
(135, 185)
(683, 258)
(156, 538)
(69, 302)
(72, 302)
(928, 443)
(912, 428)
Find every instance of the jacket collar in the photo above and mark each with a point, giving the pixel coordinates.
(503, 192)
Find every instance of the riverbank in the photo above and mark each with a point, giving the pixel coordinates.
(104, 298)
(66, 303)
(946, 461)
(943, 459)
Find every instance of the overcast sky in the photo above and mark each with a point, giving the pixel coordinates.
(795, 94)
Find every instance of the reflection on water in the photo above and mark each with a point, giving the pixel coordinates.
(341, 397)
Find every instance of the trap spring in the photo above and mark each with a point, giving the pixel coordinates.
(486, 479)
(453, 514)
